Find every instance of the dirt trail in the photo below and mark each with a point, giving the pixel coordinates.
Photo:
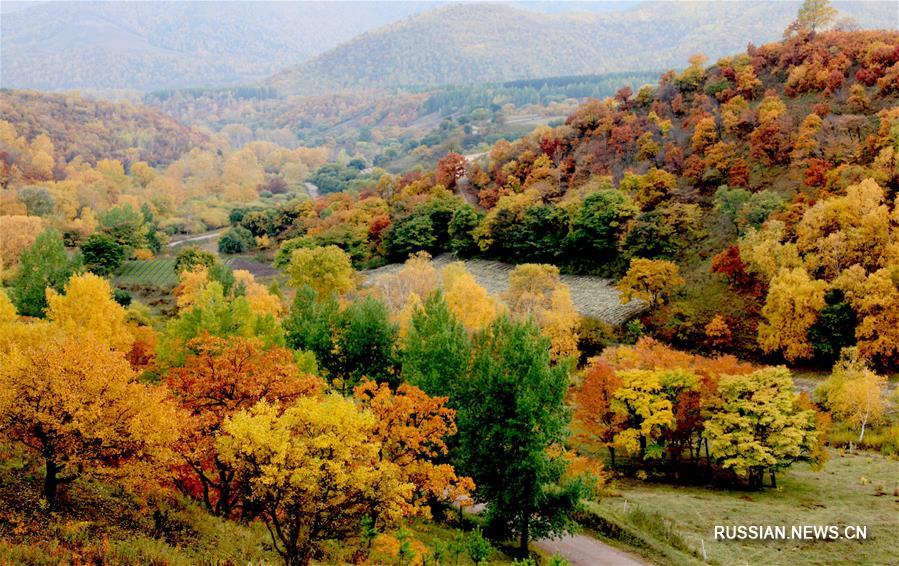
(206, 236)
(583, 550)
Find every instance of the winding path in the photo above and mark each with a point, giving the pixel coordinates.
(583, 550)
(206, 236)
(578, 550)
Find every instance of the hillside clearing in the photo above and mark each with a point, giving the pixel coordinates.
(592, 296)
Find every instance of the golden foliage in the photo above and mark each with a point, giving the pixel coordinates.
(326, 269)
(290, 459)
(536, 290)
(650, 280)
(791, 308)
(79, 405)
(469, 302)
(87, 308)
(412, 428)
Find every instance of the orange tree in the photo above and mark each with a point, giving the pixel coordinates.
(221, 378)
(79, 406)
(412, 427)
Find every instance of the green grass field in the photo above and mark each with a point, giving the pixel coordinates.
(859, 489)
(158, 271)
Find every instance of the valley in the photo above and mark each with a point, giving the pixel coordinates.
(415, 283)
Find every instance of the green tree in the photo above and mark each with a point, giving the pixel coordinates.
(189, 257)
(436, 349)
(601, 223)
(410, 234)
(366, 342)
(759, 425)
(237, 240)
(125, 225)
(461, 228)
(216, 313)
(38, 201)
(511, 417)
(311, 324)
(44, 265)
(256, 222)
(834, 329)
(102, 254)
(478, 547)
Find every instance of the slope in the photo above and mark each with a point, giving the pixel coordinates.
(150, 45)
(477, 43)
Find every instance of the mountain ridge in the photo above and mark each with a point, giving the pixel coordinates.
(486, 42)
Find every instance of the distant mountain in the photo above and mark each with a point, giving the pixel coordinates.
(152, 45)
(477, 43)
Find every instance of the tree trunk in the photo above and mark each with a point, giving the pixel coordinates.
(773, 479)
(524, 534)
(861, 436)
(612, 455)
(51, 481)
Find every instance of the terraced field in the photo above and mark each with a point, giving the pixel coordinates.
(158, 271)
(592, 296)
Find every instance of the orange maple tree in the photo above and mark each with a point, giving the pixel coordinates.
(220, 379)
(412, 427)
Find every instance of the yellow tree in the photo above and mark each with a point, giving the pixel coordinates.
(260, 299)
(645, 410)
(326, 269)
(404, 317)
(815, 15)
(417, 276)
(87, 307)
(7, 309)
(761, 425)
(854, 393)
(875, 300)
(650, 280)
(79, 406)
(17, 233)
(222, 377)
(791, 308)
(313, 471)
(840, 232)
(470, 303)
(190, 283)
(704, 135)
(536, 290)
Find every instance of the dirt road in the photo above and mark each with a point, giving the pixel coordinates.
(207, 236)
(583, 550)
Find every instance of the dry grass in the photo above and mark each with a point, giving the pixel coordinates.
(857, 489)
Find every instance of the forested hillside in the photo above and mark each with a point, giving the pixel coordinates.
(734, 171)
(477, 43)
(393, 129)
(96, 129)
(144, 46)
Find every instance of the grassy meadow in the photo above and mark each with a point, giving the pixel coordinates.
(852, 489)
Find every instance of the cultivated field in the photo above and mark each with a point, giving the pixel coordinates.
(158, 271)
(592, 296)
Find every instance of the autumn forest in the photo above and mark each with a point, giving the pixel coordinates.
(494, 317)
